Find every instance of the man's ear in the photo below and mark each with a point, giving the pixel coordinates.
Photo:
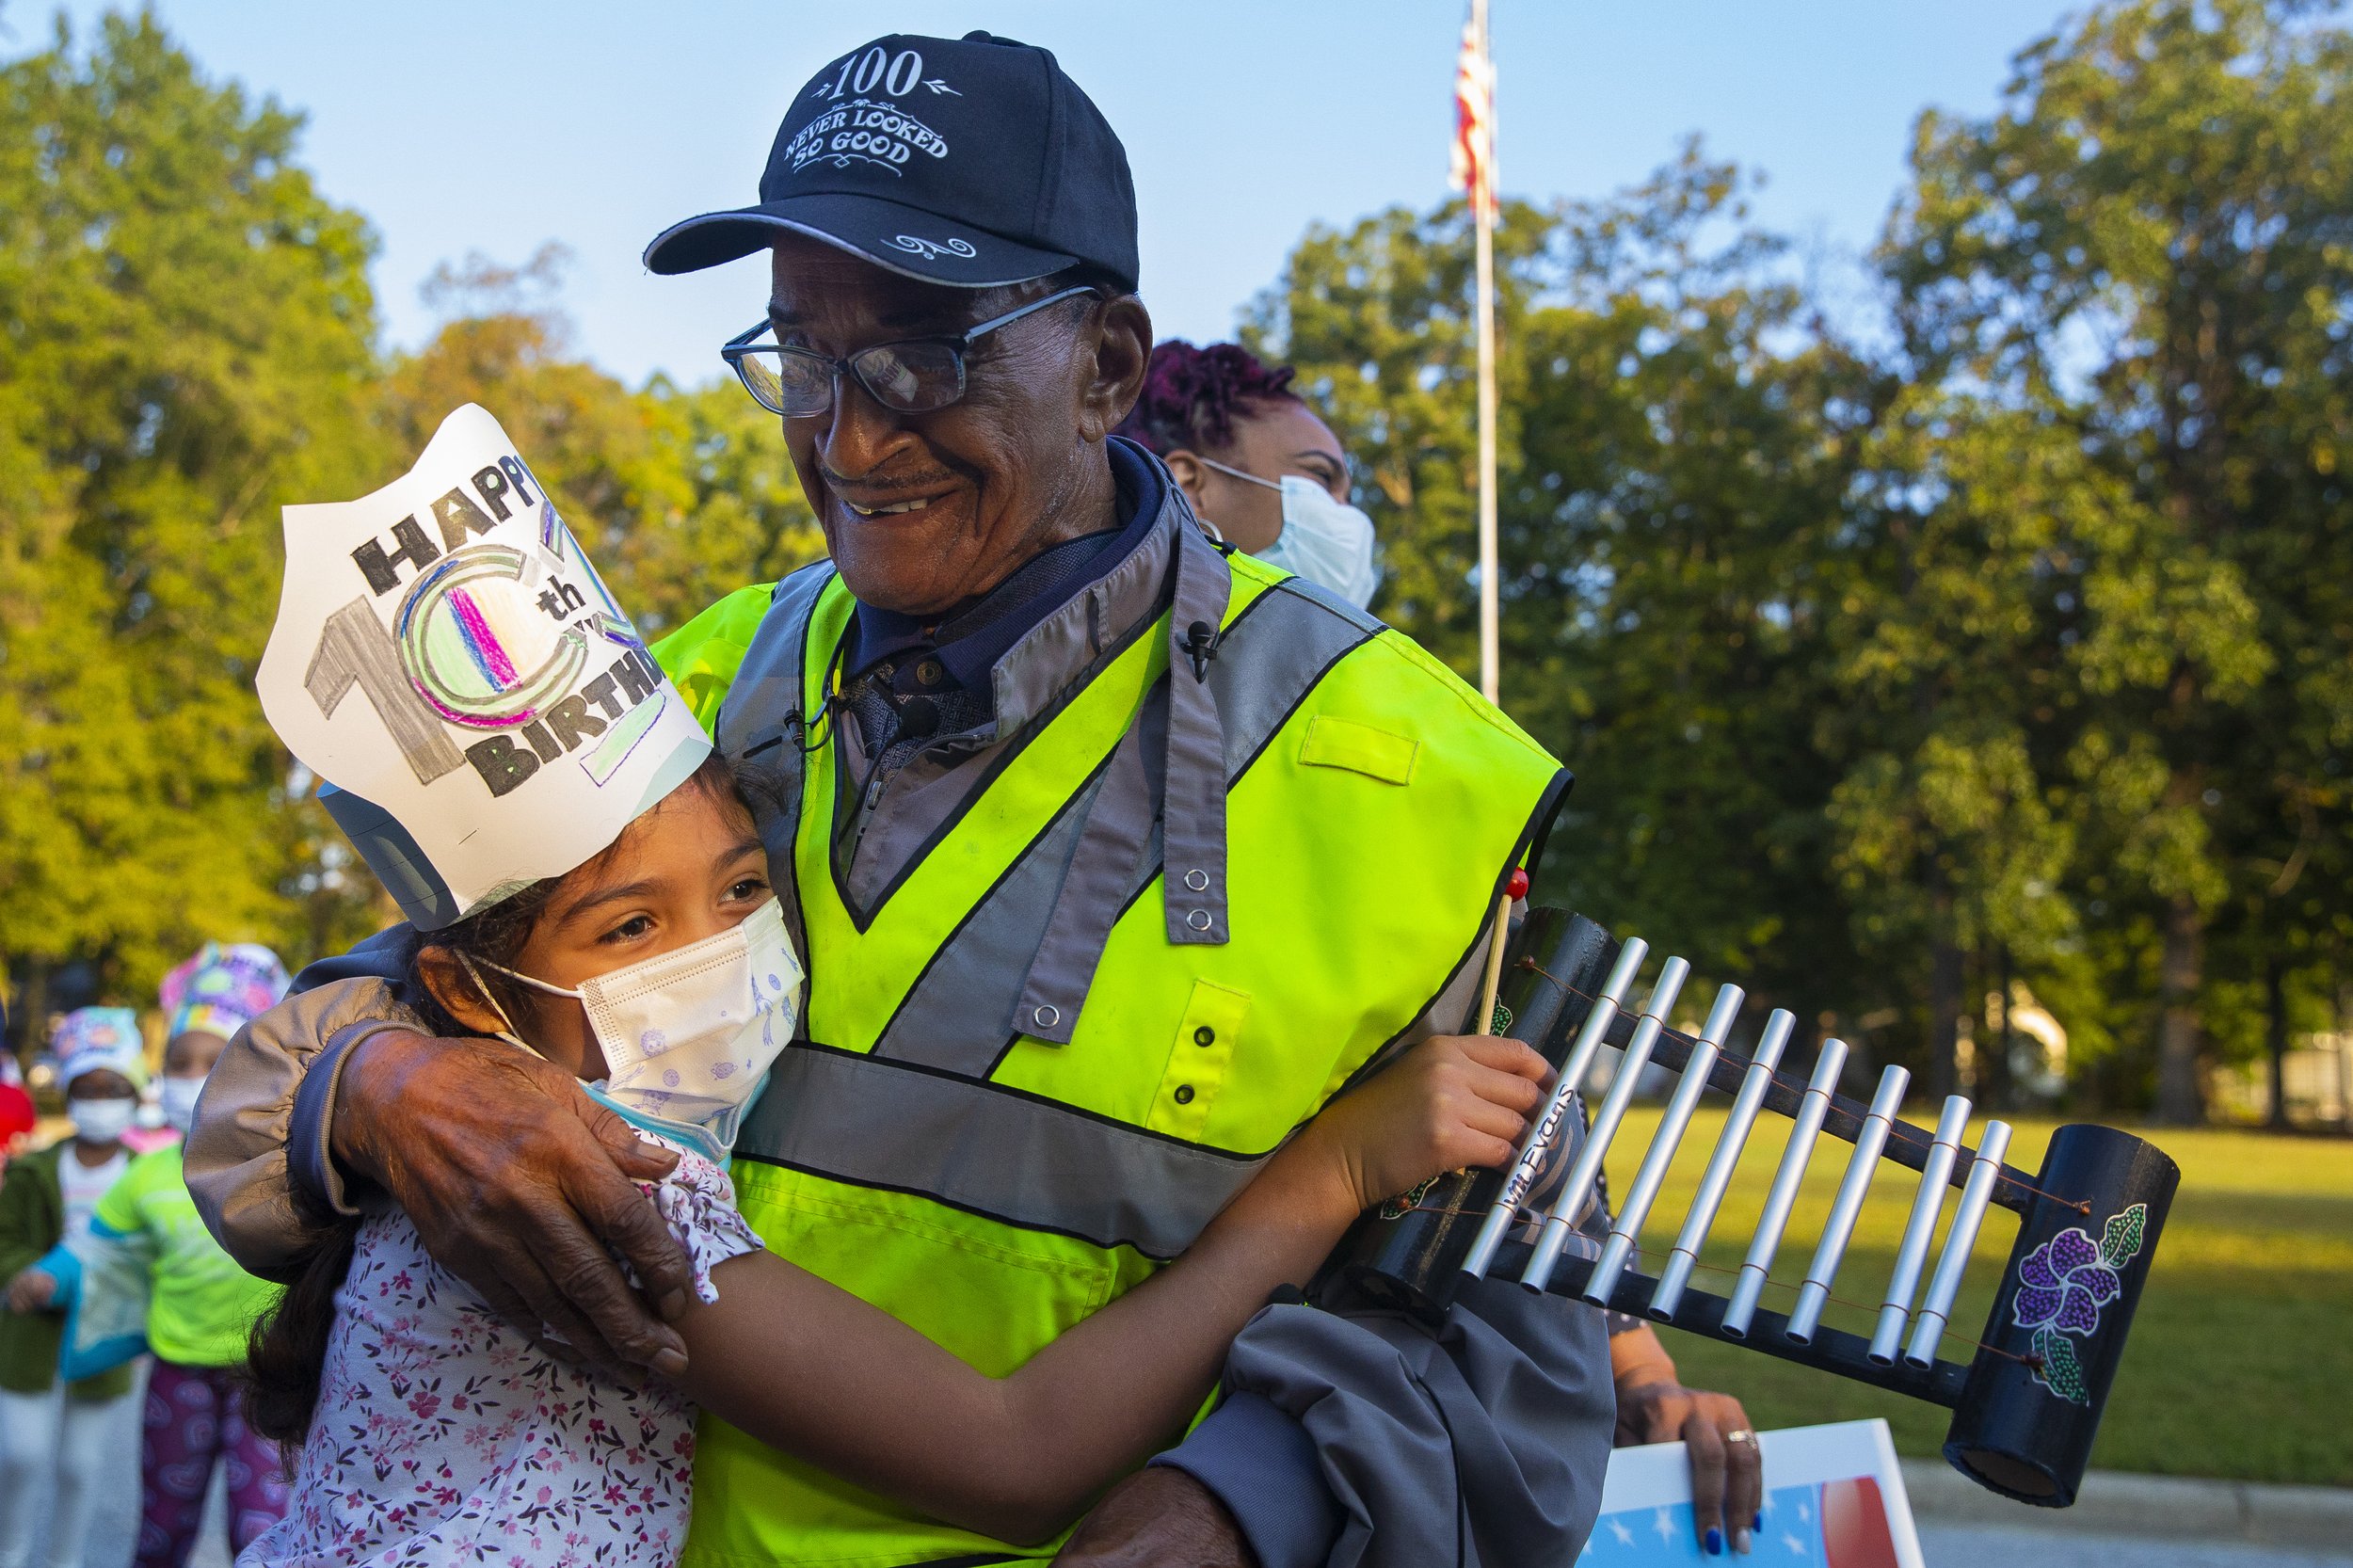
(1123, 349)
(455, 990)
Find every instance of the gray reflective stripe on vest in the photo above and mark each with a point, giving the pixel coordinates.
(1111, 844)
(761, 731)
(1192, 814)
(956, 1015)
(1182, 785)
(1010, 1157)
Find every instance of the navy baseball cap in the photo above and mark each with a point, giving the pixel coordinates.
(973, 162)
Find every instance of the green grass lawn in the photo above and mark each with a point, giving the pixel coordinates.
(2241, 1359)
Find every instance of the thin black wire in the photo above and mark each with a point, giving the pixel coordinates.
(1790, 1084)
(1530, 1216)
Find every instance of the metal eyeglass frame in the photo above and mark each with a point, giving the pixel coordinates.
(740, 347)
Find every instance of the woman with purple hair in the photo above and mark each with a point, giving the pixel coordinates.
(1260, 469)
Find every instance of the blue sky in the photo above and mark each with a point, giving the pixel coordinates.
(500, 124)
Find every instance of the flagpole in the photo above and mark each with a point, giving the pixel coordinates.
(1483, 209)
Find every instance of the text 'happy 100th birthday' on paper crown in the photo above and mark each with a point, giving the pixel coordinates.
(522, 644)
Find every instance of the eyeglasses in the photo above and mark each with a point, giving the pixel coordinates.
(914, 376)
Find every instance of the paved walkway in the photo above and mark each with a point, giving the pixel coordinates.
(1946, 1546)
(1960, 1527)
(114, 1531)
(2128, 1521)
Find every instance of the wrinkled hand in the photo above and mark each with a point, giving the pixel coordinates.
(519, 1183)
(1157, 1518)
(1727, 1480)
(32, 1291)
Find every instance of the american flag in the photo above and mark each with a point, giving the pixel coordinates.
(1474, 159)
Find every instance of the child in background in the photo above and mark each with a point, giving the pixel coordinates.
(53, 1434)
(17, 1118)
(154, 1278)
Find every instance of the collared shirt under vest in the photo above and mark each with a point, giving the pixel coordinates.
(1223, 842)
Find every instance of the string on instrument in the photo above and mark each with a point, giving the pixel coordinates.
(1726, 1054)
(1528, 1216)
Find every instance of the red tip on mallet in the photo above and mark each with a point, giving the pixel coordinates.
(1515, 887)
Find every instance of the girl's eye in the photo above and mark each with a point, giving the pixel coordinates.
(748, 889)
(630, 929)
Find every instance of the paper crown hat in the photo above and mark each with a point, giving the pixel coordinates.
(447, 659)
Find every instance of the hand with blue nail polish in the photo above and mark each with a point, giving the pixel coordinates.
(1727, 1477)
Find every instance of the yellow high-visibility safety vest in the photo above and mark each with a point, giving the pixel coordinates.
(991, 1188)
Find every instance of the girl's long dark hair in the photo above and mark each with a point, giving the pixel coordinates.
(286, 1355)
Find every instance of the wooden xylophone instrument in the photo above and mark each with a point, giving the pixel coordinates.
(2027, 1401)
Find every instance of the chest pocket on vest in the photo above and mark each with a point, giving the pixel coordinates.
(1360, 748)
(1197, 1061)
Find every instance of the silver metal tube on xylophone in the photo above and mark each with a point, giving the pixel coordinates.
(1717, 1180)
(1977, 1193)
(1545, 1134)
(1845, 1209)
(1806, 1126)
(1635, 1207)
(1911, 1253)
(1570, 1202)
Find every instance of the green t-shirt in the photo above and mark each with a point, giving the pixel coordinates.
(203, 1304)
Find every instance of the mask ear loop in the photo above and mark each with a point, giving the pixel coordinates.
(1211, 462)
(1271, 484)
(509, 1034)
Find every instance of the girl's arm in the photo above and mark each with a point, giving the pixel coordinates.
(816, 1372)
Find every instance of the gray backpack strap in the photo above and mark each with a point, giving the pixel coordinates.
(763, 731)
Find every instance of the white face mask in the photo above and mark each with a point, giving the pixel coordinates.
(100, 1121)
(1326, 541)
(688, 1036)
(177, 1098)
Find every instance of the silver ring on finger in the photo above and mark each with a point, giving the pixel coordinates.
(1743, 1435)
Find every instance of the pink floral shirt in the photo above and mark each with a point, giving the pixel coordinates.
(442, 1436)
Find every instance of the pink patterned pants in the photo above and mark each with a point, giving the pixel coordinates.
(194, 1417)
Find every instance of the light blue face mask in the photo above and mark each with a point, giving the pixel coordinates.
(1326, 541)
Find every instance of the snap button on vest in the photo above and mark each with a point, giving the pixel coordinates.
(1197, 879)
(1184, 1094)
(1205, 1035)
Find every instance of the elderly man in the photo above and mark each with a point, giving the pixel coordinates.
(1112, 856)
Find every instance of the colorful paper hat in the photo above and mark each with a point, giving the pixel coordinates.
(222, 989)
(449, 662)
(95, 1037)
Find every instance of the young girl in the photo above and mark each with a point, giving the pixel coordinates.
(429, 1430)
(53, 1432)
(148, 1276)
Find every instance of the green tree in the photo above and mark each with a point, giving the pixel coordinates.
(2150, 237)
(679, 496)
(744, 520)
(1677, 440)
(2015, 591)
(188, 329)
